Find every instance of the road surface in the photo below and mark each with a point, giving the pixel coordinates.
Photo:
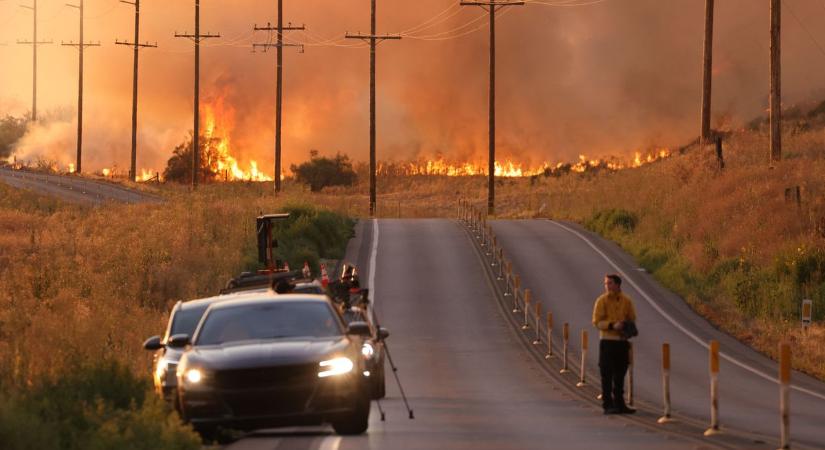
(564, 267)
(73, 188)
(469, 380)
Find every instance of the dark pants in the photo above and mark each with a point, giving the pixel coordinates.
(613, 361)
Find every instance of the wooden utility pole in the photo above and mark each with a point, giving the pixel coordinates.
(197, 38)
(492, 7)
(34, 43)
(80, 46)
(279, 47)
(136, 46)
(707, 70)
(776, 82)
(373, 39)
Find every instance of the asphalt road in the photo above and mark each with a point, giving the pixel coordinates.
(468, 378)
(73, 188)
(564, 266)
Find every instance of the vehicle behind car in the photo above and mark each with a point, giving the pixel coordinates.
(274, 360)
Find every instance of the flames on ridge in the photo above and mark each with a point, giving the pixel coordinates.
(513, 169)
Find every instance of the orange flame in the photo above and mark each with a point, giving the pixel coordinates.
(219, 123)
(513, 169)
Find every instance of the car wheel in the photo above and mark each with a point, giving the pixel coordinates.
(357, 422)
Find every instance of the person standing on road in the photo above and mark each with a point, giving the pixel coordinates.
(611, 314)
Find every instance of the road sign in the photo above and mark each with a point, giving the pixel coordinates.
(807, 312)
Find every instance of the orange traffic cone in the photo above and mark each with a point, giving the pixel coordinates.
(305, 271)
(324, 276)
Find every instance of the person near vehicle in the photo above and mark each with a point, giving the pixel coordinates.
(613, 314)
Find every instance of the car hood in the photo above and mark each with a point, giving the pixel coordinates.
(267, 353)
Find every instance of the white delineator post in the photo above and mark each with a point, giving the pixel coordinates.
(666, 384)
(714, 390)
(582, 382)
(549, 336)
(565, 337)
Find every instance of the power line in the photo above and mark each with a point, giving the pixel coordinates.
(136, 46)
(279, 92)
(34, 43)
(81, 45)
(196, 39)
(492, 7)
(373, 38)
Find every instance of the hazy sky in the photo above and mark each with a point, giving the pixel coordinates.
(598, 79)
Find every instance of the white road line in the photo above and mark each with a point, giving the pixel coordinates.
(673, 321)
(373, 258)
(330, 443)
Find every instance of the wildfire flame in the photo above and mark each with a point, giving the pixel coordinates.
(218, 121)
(513, 169)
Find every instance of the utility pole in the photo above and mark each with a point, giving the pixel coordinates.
(80, 46)
(136, 46)
(373, 39)
(708, 66)
(776, 82)
(197, 38)
(492, 7)
(279, 47)
(34, 43)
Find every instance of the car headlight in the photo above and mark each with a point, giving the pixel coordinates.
(336, 366)
(367, 350)
(193, 376)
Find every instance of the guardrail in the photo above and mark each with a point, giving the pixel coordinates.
(530, 322)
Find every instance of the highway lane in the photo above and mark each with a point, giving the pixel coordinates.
(564, 266)
(471, 383)
(73, 188)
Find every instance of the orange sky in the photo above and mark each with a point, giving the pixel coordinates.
(598, 79)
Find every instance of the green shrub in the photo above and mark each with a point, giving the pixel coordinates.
(311, 234)
(320, 172)
(101, 406)
(609, 220)
(11, 130)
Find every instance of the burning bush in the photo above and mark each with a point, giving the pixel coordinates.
(320, 172)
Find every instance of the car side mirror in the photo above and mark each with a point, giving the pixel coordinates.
(383, 333)
(179, 341)
(153, 343)
(358, 328)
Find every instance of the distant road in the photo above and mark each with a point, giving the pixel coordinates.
(471, 383)
(73, 188)
(564, 266)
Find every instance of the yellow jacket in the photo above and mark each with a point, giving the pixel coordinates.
(611, 308)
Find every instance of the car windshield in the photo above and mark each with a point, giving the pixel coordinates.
(308, 289)
(268, 321)
(186, 320)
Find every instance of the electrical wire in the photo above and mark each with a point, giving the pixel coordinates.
(804, 28)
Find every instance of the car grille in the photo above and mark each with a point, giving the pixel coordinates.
(171, 374)
(280, 376)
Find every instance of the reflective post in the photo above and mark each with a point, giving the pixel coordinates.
(549, 336)
(565, 337)
(516, 290)
(501, 264)
(666, 384)
(528, 294)
(714, 390)
(537, 341)
(582, 382)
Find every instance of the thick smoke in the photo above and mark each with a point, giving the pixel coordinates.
(608, 78)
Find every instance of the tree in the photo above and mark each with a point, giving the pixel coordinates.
(320, 172)
(179, 166)
(11, 130)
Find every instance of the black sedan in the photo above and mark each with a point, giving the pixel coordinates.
(274, 360)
